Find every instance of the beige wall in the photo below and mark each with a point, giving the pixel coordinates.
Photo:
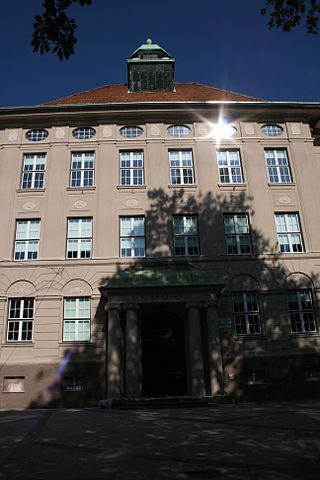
(52, 277)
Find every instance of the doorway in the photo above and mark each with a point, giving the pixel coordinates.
(163, 355)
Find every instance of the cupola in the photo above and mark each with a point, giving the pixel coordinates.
(150, 68)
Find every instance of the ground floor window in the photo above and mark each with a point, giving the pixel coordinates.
(76, 321)
(246, 314)
(301, 312)
(20, 320)
(255, 378)
(14, 384)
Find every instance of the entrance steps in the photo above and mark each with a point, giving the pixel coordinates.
(164, 402)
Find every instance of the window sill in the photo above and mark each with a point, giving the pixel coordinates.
(71, 343)
(249, 336)
(81, 189)
(304, 334)
(181, 185)
(232, 186)
(289, 185)
(31, 190)
(18, 344)
(131, 187)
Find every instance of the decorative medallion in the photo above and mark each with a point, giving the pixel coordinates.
(285, 200)
(28, 206)
(295, 128)
(154, 130)
(80, 204)
(249, 128)
(59, 133)
(131, 202)
(13, 135)
(203, 129)
(107, 131)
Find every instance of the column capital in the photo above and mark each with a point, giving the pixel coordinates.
(131, 306)
(193, 305)
(209, 304)
(113, 306)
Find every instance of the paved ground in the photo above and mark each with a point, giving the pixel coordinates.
(261, 441)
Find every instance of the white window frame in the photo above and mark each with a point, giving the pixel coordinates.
(83, 133)
(34, 172)
(131, 237)
(185, 172)
(131, 169)
(21, 319)
(37, 135)
(82, 170)
(186, 237)
(79, 239)
(272, 130)
(238, 235)
(227, 169)
(289, 234)
(247, 314)
(294, 313)
(76, 319)
(179, 131)
(131, 131)
(275, 171)
(27, 242)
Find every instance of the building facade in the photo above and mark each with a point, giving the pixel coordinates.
(158, 239)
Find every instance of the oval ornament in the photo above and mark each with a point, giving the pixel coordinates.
(285, 200)
(80, 204)
(28, 206)
(131, 202)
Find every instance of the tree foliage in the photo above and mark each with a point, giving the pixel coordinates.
(287, 14)
(54, 30)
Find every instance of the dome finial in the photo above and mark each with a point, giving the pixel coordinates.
(149, 41)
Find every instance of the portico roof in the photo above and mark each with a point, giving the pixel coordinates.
(161, 276)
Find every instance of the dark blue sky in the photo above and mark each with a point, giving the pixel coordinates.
(221, 43)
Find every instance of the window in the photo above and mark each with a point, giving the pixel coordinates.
(301, 312)
(181, 167)
(76, 323)
(131, 168)
(83, 133)
(82, 169)
(185, 235)
(229, 166)
(79, 239)
(236, 229)
(14, 384)
(178, 131)
(20, 320)
(246, 313)
(131, 132)
(312, 375)
(27, 240)
(278, 166)
(73, 384)
(272, 130)
(33, 170)
(288, 229)
(36, 135)
(132, 237)
(255, 378)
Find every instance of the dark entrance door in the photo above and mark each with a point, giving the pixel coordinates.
(163, 355)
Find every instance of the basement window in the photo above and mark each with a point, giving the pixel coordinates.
(312, 375)
(74, 384)
(14, 384)
(255, 378)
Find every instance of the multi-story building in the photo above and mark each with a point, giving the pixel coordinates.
(158, 238)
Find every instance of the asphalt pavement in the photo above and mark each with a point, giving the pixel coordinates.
(261, 441)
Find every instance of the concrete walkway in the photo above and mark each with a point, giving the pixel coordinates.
(260, 441)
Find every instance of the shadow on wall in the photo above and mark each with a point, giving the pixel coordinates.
(259, 271)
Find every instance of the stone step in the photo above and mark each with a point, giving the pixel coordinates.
(164, 402)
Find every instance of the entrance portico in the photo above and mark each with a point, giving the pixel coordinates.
(163, 336)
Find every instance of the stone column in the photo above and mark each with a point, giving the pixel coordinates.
(114, 351)
(195, 354)
(132, 352)
(214, 349)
